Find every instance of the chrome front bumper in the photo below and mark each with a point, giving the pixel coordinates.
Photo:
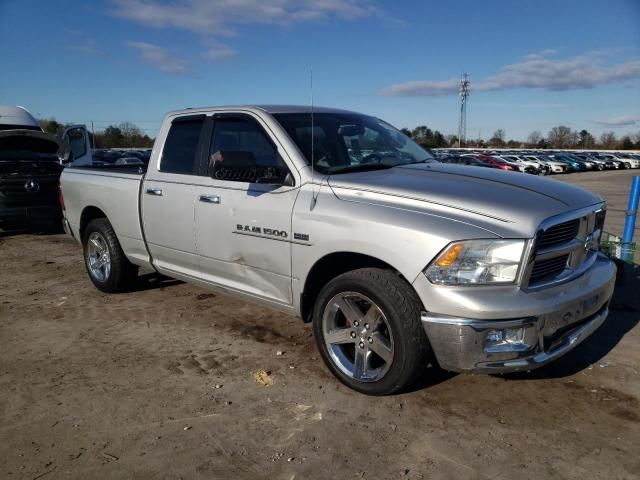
(464, 344)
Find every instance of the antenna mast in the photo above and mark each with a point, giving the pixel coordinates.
(314, 196)
(464, 95)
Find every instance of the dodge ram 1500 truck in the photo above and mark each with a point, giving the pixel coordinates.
(337, 217)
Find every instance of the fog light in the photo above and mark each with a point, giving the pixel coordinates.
(505, 340)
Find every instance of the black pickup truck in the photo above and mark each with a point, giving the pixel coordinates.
(29, 175)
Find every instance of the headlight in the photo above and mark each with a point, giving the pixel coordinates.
(479, 262)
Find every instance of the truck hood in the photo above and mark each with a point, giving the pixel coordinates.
(28, 153)
(505, 203)
(27, 141)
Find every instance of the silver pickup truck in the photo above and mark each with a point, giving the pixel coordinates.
(337, 217)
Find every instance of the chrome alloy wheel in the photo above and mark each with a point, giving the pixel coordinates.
(357, 336)
(98, 259)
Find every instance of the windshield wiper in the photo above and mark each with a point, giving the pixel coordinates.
(425, 160)
(363, 167)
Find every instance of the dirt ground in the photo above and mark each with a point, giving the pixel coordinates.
(158, 383)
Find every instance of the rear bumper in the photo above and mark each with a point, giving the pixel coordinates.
(556, 321)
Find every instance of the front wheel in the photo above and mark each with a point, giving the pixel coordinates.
(368, 330)
(106, 263)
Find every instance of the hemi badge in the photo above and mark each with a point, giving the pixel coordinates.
(301, 236)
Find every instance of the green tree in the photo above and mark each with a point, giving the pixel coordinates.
(111, 137)
(586, 140)
(51, 126)
(626, 143)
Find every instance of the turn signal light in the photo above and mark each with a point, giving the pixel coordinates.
(449, 256)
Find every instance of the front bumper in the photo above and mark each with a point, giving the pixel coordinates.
(38, 212)
(550, 323)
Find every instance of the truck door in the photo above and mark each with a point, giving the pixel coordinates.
(167, 198)
(243, 210)
(77, 145)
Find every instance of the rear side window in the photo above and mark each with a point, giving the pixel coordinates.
(181, 147)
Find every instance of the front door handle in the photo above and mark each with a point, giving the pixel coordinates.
(210, 199)
(154, 191)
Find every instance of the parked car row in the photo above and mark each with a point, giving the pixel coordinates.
(105, 157)
(540, 162)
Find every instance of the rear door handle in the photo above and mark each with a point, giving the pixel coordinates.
(210, 199)
(154, 191)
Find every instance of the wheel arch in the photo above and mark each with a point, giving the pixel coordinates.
(89, 213)
(330, 266)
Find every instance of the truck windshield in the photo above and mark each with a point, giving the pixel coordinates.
(344, 142)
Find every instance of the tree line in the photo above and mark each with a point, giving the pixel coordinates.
(560, 137)
(122, 135)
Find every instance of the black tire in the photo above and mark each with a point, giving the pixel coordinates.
(122, 273)
(401, 307)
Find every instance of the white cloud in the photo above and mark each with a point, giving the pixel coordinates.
(214, 50)
(218, 17)
(159, 57)
(621, 121)
(214, 19)
(536, 71)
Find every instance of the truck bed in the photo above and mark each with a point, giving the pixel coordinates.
(114, 192)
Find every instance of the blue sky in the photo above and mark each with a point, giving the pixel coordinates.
(533, 64)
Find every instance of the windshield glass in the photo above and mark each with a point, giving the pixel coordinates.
(350, 142)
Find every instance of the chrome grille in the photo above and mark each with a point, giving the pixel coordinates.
(548, 268)
(558, 234)
(565, 248)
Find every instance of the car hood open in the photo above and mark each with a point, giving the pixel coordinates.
(28, 141)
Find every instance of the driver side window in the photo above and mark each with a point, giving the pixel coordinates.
(241, 151)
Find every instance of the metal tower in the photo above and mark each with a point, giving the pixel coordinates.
(464, 95)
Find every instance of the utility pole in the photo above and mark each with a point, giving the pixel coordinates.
(464, 95)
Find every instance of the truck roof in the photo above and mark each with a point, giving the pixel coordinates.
(17, 116)
(271, 109)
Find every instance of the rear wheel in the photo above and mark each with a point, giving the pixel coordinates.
(106, 263)
(368, 330)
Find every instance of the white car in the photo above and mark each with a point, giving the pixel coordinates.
(519, 162)
(554, 167)
(629, 161)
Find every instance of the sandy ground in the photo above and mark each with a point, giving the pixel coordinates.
(158, 383)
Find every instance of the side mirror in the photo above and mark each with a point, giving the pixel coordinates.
(273, 176)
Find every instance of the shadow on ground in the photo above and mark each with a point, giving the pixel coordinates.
(151, 281)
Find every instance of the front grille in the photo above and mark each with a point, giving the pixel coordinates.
(551, 267)
(558, 234)
(13, 194)
(557, 257)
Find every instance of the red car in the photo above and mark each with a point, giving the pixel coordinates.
(495, 162)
